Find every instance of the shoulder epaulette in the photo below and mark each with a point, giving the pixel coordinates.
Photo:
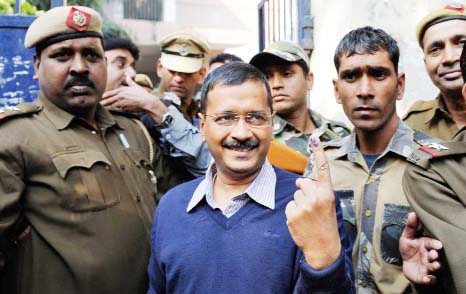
(425, 154)
(8, 112)
(420, 106)
(337, 143)
(115, 111)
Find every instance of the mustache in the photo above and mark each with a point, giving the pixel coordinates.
(79, 81)
(250, 143)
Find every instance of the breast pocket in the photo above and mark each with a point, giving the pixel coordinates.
(88, 180)
(348, 208)
(394, 220)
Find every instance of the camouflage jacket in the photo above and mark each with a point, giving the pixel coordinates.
(326, 129)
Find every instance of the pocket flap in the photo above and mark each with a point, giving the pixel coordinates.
(85, 159)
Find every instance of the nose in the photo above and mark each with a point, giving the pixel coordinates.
(179, 76)
(365, 89)
(241, 130)
(451, 54)
(79, 66)
(275, 81)
(130, 71)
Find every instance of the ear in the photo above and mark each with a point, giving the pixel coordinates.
(201, 75)
(159, 68)
(36, 67)
(335, 91)
(201, 125)
(401, 86)
(310, 80)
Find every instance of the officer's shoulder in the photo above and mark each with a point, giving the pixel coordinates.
(21, 110)
(430, 152)
(419, 107)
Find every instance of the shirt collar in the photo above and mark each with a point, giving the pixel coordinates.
(261, 190)
(401, 143)
(438, 109)
(61, 119)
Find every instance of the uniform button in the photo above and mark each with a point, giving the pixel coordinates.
(372, 178)
(368, 213)
(107, 167)
(364, 283)
(122, 166)
(168, 136)
(364, 249)
(94, 132)
(138, 198)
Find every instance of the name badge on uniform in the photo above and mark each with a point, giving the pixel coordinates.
(123, 140)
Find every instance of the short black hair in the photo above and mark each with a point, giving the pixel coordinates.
(113, 41)
(367, 40)
(224, 58)
(233, 74)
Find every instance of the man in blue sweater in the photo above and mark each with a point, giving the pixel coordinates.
(239, 229)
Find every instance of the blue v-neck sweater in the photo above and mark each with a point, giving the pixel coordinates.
(251, 252)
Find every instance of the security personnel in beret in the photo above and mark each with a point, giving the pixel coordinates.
(77, 198)
(181, 69)
(286, 66)
(441, 35)
(435, 186)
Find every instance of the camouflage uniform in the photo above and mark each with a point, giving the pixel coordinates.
(327, 130)
(374, 206)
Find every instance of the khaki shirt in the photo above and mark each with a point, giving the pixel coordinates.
(374, 208)
(432, 118)
(435, 185)
(86, 195)
(327, 130)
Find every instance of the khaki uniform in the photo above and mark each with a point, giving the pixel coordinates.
(435, 185)
(327, 130)
(432, 118)
(86, 195)
(374, 207)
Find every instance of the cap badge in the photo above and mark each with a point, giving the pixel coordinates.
(184, 50)
(455, 6)
(78, 19)
(437, 147)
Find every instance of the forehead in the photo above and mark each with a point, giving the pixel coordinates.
(378, 58)
(77, 44)
(444, 31)
(119, 53)
(248, 96)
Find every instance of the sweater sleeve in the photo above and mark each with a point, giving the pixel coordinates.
(157, 281)
(337, 277)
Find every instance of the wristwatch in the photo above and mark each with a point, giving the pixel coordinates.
(167, 120)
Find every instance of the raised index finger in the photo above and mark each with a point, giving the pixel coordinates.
(320, 160)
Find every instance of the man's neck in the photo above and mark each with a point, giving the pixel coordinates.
(456, 107)
(301, 120)
(375, 142)
(226, 187)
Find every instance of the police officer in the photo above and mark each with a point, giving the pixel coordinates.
(286, 66)
(181, 69)
(441, 35)
(77, 175)
(435, 187)
(367, 166)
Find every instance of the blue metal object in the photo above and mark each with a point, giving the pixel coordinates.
(16, 62)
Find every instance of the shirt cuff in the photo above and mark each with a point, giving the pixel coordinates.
(331, 277)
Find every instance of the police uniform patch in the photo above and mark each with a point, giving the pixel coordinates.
(78, 19)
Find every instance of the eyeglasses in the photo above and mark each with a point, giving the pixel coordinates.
(253, 119)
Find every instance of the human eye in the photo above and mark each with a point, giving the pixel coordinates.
(225, 119)
(349, 76)
(92, 56)
(257, 118)
(379, 73)
(288, 73)
(62, 55)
